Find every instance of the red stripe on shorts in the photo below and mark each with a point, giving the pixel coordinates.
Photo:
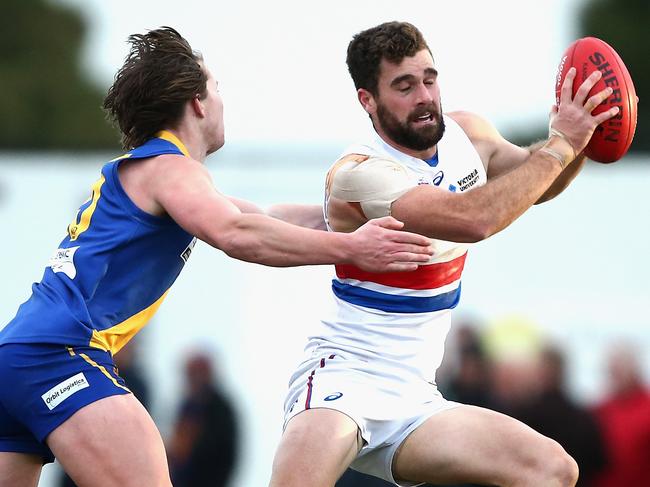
(310, 380)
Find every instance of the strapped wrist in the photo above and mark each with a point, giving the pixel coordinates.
(553, 132)
(561, 159)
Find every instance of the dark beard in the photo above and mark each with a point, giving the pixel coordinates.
(402, 134)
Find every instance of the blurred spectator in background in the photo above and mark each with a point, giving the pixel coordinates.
(512, 346)
(624, 417)
(131, 371)
(553, 413)
(508, 367)
(202, 450)
(464, 374)
(489, 366)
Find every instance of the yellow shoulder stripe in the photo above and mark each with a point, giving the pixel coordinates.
(82, 222)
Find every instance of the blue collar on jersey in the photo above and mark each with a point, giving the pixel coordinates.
(432, 161)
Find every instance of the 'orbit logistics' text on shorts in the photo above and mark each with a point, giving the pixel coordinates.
(65, 389)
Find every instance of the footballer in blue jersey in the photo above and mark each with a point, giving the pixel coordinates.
(60, 393)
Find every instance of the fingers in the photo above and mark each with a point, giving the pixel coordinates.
(586, 86)
(601, 117)
(387, 222)
(411, 253)
(597, 99)
(401, 267)
(393, 226)
(566, 92)
(417, 241)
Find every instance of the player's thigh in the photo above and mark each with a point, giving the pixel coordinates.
(317, 444)
(112, 442)
(20, 469)
(472, 444)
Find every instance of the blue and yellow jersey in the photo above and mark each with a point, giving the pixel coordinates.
(112, 270)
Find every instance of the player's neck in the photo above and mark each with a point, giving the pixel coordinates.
(424, 154)
(191, 141)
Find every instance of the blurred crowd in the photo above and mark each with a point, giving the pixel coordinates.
(509, 367)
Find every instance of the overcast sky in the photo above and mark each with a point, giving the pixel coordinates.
(281, 65)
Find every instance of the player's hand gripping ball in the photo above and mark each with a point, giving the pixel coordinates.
(612, 138)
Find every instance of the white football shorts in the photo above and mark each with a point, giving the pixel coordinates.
(386, 404)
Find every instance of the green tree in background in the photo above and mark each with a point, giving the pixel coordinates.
(45, 100)
(623, 24)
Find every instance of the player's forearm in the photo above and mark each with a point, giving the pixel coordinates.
(268, 241)
(482, 212)
(308, 216)
(496, 205)
(563, 180)
(245, 206)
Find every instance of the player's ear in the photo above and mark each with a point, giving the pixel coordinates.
(197, 106)
(367, 101)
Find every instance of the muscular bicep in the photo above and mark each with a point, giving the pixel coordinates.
(186, 193)
(498, 155)
(505, 158)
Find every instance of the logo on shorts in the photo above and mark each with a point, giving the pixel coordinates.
(333, 397)
(64, 390)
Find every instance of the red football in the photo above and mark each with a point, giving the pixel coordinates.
(612, 138)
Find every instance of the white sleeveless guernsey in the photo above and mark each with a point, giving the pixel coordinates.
(401, 320)
(374, 357)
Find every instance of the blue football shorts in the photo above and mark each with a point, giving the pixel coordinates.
(42, 385)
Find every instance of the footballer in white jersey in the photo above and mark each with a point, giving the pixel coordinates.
(365, 395)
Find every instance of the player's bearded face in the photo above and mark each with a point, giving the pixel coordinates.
(406, 133)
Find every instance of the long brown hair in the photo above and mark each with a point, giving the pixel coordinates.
(160, 74)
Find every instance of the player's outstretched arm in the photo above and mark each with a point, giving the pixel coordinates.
(308, 216)
(484, 211)
(184, 189)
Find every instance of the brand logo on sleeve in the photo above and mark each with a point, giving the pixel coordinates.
(64, 390)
